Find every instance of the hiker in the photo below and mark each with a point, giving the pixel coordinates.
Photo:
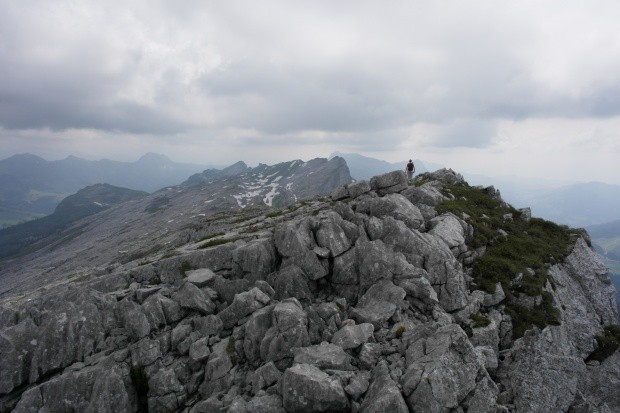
(410, 168)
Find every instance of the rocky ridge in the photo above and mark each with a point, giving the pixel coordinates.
(365, 302)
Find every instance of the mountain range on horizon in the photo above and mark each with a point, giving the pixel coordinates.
(32, 187)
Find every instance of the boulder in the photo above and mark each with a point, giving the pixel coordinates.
(295, 242)
(358, 188)
(201, 277)
(426, 194)
(255, 259)
(542, 360)
(324, 356)
(191, 297)
(389, 183)
(338, 193)
(289, 329)
(243, 305)
(330, 234)
(353, 336)
(449, 229)
(443, 369)
(265, 376)
(394, 205)
(383, 394)
(305, 388)
(290, 282)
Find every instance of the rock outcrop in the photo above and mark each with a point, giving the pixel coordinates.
(367, 302)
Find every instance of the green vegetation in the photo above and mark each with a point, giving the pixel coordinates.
(220, 241)
(608, 343)
(216, 234)
(185, 267)
(527, 249)
(231, 350)
(480, 320)
(400, 331)
(274, 214)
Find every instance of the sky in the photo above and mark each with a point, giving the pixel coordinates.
(523, 88)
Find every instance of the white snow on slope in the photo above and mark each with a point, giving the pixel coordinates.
(268, 200)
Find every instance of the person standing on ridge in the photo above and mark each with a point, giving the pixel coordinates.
(410, 168)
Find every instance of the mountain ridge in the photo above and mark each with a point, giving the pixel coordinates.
(377, 295)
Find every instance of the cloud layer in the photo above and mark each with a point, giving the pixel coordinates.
(359, 74)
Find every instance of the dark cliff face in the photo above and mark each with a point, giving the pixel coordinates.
(387, 296)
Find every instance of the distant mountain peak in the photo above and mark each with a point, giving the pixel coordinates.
(154, 158)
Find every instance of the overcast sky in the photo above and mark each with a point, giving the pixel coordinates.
(528, 88)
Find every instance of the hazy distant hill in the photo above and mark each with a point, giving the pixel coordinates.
(579, 204)
(31, 187)
(85, 202)
(364, 167)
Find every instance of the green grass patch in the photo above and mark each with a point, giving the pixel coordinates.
(275, 214)
(529, 245)
(480, 320)
(216, 234)
(185, 267)
(220, 241)
(231, 350)
(400, 331)
(608, 343)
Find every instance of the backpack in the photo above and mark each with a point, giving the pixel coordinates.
(410, 166)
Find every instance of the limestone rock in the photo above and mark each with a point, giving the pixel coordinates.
(338, 193)
(426, 194)
(191, 297)
(290, 282)
(243, 305)
(389, 183)
(443, 369)
(305, 388)
(254, 260)
(324, 356)
(352, 336)
(383, 394)
(394, 205)
(200, 277)
(358, 188)
(295, 242)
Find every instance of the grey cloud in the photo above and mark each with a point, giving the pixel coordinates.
(472, 133)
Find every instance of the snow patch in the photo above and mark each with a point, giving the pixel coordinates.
(268, 200)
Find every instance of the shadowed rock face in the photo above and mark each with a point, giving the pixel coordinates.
(361, 305)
